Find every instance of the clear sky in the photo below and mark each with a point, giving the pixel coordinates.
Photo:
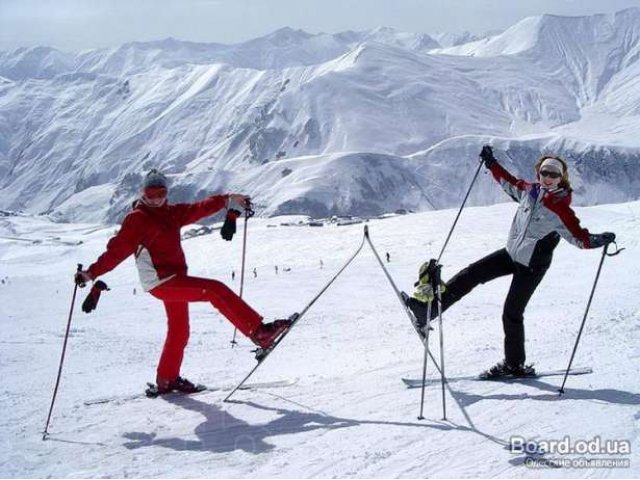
(81, 24)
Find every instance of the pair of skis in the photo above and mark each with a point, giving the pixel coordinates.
(263, 354)
(417, 382)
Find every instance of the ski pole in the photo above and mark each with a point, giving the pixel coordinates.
(584, 318)
(460, 211)
(442, 376)
(424, 362)
(435, 286)
(248, 212)
(45, 433)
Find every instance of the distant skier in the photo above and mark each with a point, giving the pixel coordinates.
(276, 269)
(388, 257)
(233, 275)
(151, 231)
(544, 216)
(255, 273)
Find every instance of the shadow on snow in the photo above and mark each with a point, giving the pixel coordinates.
(221, 432)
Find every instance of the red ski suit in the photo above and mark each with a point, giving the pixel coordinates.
(153, 235)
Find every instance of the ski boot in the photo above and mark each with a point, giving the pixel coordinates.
(503, 370)
(419, 313)
(267, 333)
(418, 308)
(179, 384)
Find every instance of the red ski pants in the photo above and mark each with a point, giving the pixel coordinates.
(176, 295)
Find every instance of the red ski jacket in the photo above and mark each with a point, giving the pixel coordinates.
(153, 235)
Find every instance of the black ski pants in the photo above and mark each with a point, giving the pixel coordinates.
(524, 283)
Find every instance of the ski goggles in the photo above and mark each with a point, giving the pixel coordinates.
(154, 193)
(550, 174)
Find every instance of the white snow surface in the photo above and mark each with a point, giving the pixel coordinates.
(349, 415)
(219, 117)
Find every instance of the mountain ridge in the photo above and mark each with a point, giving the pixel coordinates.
(355, 97)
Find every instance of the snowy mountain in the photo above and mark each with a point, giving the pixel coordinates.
(356, 122)
(348, 415)
(447, 39)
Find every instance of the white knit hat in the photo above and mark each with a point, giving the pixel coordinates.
(553, 165)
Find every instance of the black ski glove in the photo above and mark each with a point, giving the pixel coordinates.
(598, 240)
(229, 227)
(91, 302)
(487, 156)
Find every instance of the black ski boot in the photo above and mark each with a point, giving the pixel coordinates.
(418, 308)
(179, 384)
(183, 385)
(503, 370)
(419, 311)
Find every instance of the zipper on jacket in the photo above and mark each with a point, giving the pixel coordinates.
(534, 208)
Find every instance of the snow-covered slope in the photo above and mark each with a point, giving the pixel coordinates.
(349, 415)
(219, 117)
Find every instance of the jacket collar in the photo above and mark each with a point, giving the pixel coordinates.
(559, 195)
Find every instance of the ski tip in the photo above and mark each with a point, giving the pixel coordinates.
(287, 382)
(582, 371)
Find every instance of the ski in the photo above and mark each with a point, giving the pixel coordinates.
(417, 382)
(548, 373)
(423, 333)
(137, 396)
(262, 354)
(402, 298)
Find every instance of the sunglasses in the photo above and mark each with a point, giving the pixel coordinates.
(549, 174)
(153, 193)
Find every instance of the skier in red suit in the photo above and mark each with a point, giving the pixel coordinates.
(151, 232)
